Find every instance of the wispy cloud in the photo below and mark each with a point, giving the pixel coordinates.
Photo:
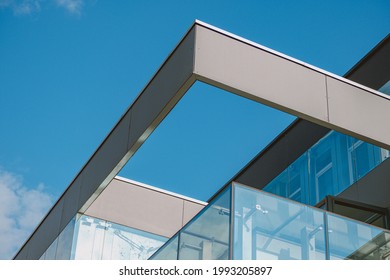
(26, 7)
(22, 7)
(72, 6)
(21, 209)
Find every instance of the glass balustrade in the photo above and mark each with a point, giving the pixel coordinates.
(89, 238)
(246, 223)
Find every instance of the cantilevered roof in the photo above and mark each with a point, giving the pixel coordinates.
(224, 60)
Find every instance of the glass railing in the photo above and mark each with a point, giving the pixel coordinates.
(205, 237)
(89, 238)
(265, 226)
(329, 167)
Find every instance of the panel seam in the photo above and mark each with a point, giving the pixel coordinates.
(327, 99)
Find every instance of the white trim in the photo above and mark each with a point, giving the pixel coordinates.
(146, 186)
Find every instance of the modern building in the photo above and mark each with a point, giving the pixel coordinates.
(319, 190)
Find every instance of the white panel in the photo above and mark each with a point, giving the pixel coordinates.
(259, 75)
(359, 112)
(139, 208)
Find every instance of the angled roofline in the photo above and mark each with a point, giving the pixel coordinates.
(211, 55)
(368, 56)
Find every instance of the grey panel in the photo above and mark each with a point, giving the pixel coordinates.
(103, 165)
(190, 210)
(259, 75)
(163, 92)
(275, 158)
(71, 202)
(374, 188)
(374, 69)
(45, 234)
(23, 253)
(359, 113)
(139, 208)
(351, 193)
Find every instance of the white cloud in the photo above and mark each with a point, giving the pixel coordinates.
(26, 7)
(72, 6)
(21, 209)
(22, 7)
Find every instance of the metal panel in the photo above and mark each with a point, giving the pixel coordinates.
(46, 232)
(359, 113)
(71, 202)
(373, 189)
(105, 163)
(259, 75)
(139, 208)
(373, 70)
(23, 253)
(163, 92)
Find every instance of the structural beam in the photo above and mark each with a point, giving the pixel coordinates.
(260, 74)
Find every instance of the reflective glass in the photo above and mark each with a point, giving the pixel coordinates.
(65, 241)
(169, 250)
(268, 227)
(349, 239)
(98, 239)
(207, 236)
(327, 168)
(124, 243)
(50, 253)
(89, 238)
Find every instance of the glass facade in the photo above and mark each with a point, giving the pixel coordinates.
(91, 238)
(206, 237)
(327, 168)
(245, 223)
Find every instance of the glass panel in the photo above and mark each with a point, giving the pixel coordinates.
(50, 253)
(169, 251)
(268, 227)
(327, 168)
(298, 180)
(349, 239)
(90, 237)
(365, 157)
(43, 256)
(65, 241)
(207, 236)
(98, 239)
(279, 185)
(124, 243)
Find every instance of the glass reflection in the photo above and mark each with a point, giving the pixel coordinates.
(267, 227)
(98, 239)
(206, 237)
(349, 239)
(327, 168)
(168, 251)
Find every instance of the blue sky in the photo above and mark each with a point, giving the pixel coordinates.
(70, 68)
